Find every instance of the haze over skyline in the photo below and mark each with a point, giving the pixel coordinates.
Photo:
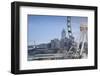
(42, 29)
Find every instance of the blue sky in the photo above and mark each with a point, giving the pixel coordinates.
(42, 29)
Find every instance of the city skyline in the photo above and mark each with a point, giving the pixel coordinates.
(42, 29)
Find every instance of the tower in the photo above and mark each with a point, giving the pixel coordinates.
(34, 45)
(63, 34)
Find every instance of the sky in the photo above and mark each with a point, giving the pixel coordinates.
(44, 28)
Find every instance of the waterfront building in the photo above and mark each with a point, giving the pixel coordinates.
(55, 44)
